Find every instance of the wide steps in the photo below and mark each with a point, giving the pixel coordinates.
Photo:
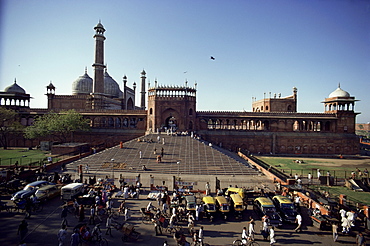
(182, 155)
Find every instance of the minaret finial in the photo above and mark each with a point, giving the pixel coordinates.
(15, 80)
(86, 70)
(339, 85)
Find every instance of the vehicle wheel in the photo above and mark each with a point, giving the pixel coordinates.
(238, 242)
(103, 242)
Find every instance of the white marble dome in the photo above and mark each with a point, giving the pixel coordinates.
(82, 85)
(111, 87)
(339, 93)
(15, 89)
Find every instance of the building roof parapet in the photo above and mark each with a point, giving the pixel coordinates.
(172, 87)
(264, 114)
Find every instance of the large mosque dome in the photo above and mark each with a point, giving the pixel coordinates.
(82, 85)
(339, 93)
(14, 89)
(111, 87)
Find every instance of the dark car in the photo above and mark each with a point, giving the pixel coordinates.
(265, 207)
(286, 208)
(29, 190)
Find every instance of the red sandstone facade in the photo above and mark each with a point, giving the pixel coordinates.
(274, 126)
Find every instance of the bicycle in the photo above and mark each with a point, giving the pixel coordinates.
(245, 242)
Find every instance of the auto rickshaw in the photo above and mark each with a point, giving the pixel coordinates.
(190, 201)
(209, 207)
(237, 205)
(223, 206)
(241, 191)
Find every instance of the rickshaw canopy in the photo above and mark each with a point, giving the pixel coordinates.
(233, 190)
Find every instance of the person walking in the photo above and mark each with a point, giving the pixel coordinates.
(309, 177)
(141, 154)
(127, 214)
(251, 230)
(63, 215)
(75, 238)
(265, 229)
(208, 189)
(360, 239)
(244, 235)
(164, 208)
(157, 227)
(109, 225)
(92, 216)
(346, 225)
(272, 236)
(62, 235)
(81, 213)
(22, 230)
(335, 231)
(298, 220)
(201, 235)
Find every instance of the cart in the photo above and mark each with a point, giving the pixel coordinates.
(128, 231)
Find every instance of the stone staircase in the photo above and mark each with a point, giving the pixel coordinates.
(182, 155)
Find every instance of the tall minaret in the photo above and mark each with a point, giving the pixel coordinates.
(99, 66)
(142, 105)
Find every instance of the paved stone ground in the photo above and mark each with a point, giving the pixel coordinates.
(195, 157)
(199, 163)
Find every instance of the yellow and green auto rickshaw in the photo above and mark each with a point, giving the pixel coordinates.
(190, 202)
(209, 207)
(237, 205)
(223, 206)
(240, 191)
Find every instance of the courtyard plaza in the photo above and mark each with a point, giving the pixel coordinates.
(189, 160)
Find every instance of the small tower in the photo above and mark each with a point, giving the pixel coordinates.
(50, 93)
(143, 92)
(124, 106)
(341, 103)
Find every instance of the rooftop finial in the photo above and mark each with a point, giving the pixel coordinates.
(85, 70)
(15, 80)
(339, 85)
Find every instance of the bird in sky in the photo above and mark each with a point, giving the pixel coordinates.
(212, 58)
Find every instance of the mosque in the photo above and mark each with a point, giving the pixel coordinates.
(274, 126)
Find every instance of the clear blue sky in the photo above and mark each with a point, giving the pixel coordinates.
(259, 46)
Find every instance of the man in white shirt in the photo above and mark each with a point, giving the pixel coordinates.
(298, 220)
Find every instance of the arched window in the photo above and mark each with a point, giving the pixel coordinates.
(267, 108)
(150, 111)
(103, 122)
(191, 111)
(289, 108)
(118, 123)
(190, 125)
(110, 122)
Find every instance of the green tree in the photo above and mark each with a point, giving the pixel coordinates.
(9, 124)
(59, 125)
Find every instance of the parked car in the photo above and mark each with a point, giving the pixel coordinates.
(71, 191)
(47, 192)
(286, 208)
(265, 207)
(29, 190)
